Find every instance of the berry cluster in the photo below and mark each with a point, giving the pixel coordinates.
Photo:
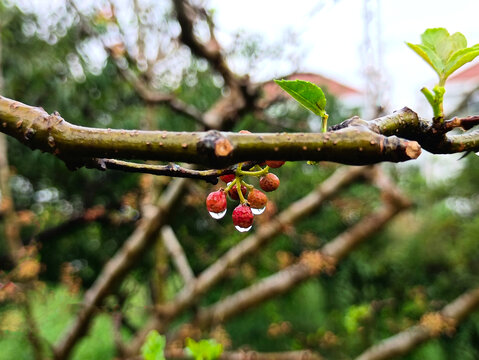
(252, 201)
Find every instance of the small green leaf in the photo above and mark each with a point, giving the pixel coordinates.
(306, 93)
(204, 349)
(429, 56)
(460, 58)
(450, 45)
(432, 37)
(445, 53)
(443, 44)
(154, 346)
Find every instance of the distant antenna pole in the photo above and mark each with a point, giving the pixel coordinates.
(371, 54)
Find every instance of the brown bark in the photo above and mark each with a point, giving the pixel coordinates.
(407, 340)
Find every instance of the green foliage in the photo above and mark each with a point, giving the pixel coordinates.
(426, 257)
(154, 346)
(53, 310)
(445, 54)
(354, 316)
(308, 95)
(206, 349)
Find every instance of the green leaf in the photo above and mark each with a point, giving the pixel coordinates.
(460, 58)
(306, 93)
(433, 36)
(445, 53)
(154, 346)
(429, 56)
(204, 349)
(450, 45)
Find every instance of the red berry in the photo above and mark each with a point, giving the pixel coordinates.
(274, 163)
(228, 178)
(257, 199)
(242, 216)
(269, 182)
(233, 193)
(216, 201)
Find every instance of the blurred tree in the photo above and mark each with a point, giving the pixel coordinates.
(99, 290)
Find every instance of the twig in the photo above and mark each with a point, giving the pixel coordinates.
(172, 170)
(174, 248)
(409, 339)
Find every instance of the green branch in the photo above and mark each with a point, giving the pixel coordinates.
(396, 137)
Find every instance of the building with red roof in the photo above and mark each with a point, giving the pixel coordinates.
(462, 90)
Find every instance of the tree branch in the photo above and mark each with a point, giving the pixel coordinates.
(210, 52)
(431, 326)
(215, 272)
(352, 144)
(115, 269)
(311, 264)
(174, 248)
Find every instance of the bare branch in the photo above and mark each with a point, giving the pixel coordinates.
(115, 269)
(156, 97)
(141, 87)
(311, 265)
(210, 276)
(210, 52)
(175, 249)
(431, 326)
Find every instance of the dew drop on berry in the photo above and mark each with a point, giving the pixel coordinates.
(258, 211)
(217, 215)
(242, 229)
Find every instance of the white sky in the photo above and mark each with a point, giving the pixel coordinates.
(333, 35)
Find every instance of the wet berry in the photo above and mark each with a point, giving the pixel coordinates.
(216, 202)
(233, 193)
(242, 217)
(257, 199)
(275, 163)
(228, 178)
(269, 182)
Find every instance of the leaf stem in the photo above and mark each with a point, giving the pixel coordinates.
(324, 121)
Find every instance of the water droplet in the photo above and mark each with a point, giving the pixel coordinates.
(477, 153)
(217, 215)
(258, 211)
(242, 229)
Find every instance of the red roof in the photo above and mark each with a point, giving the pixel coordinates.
(272, 90)
(468, 74)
